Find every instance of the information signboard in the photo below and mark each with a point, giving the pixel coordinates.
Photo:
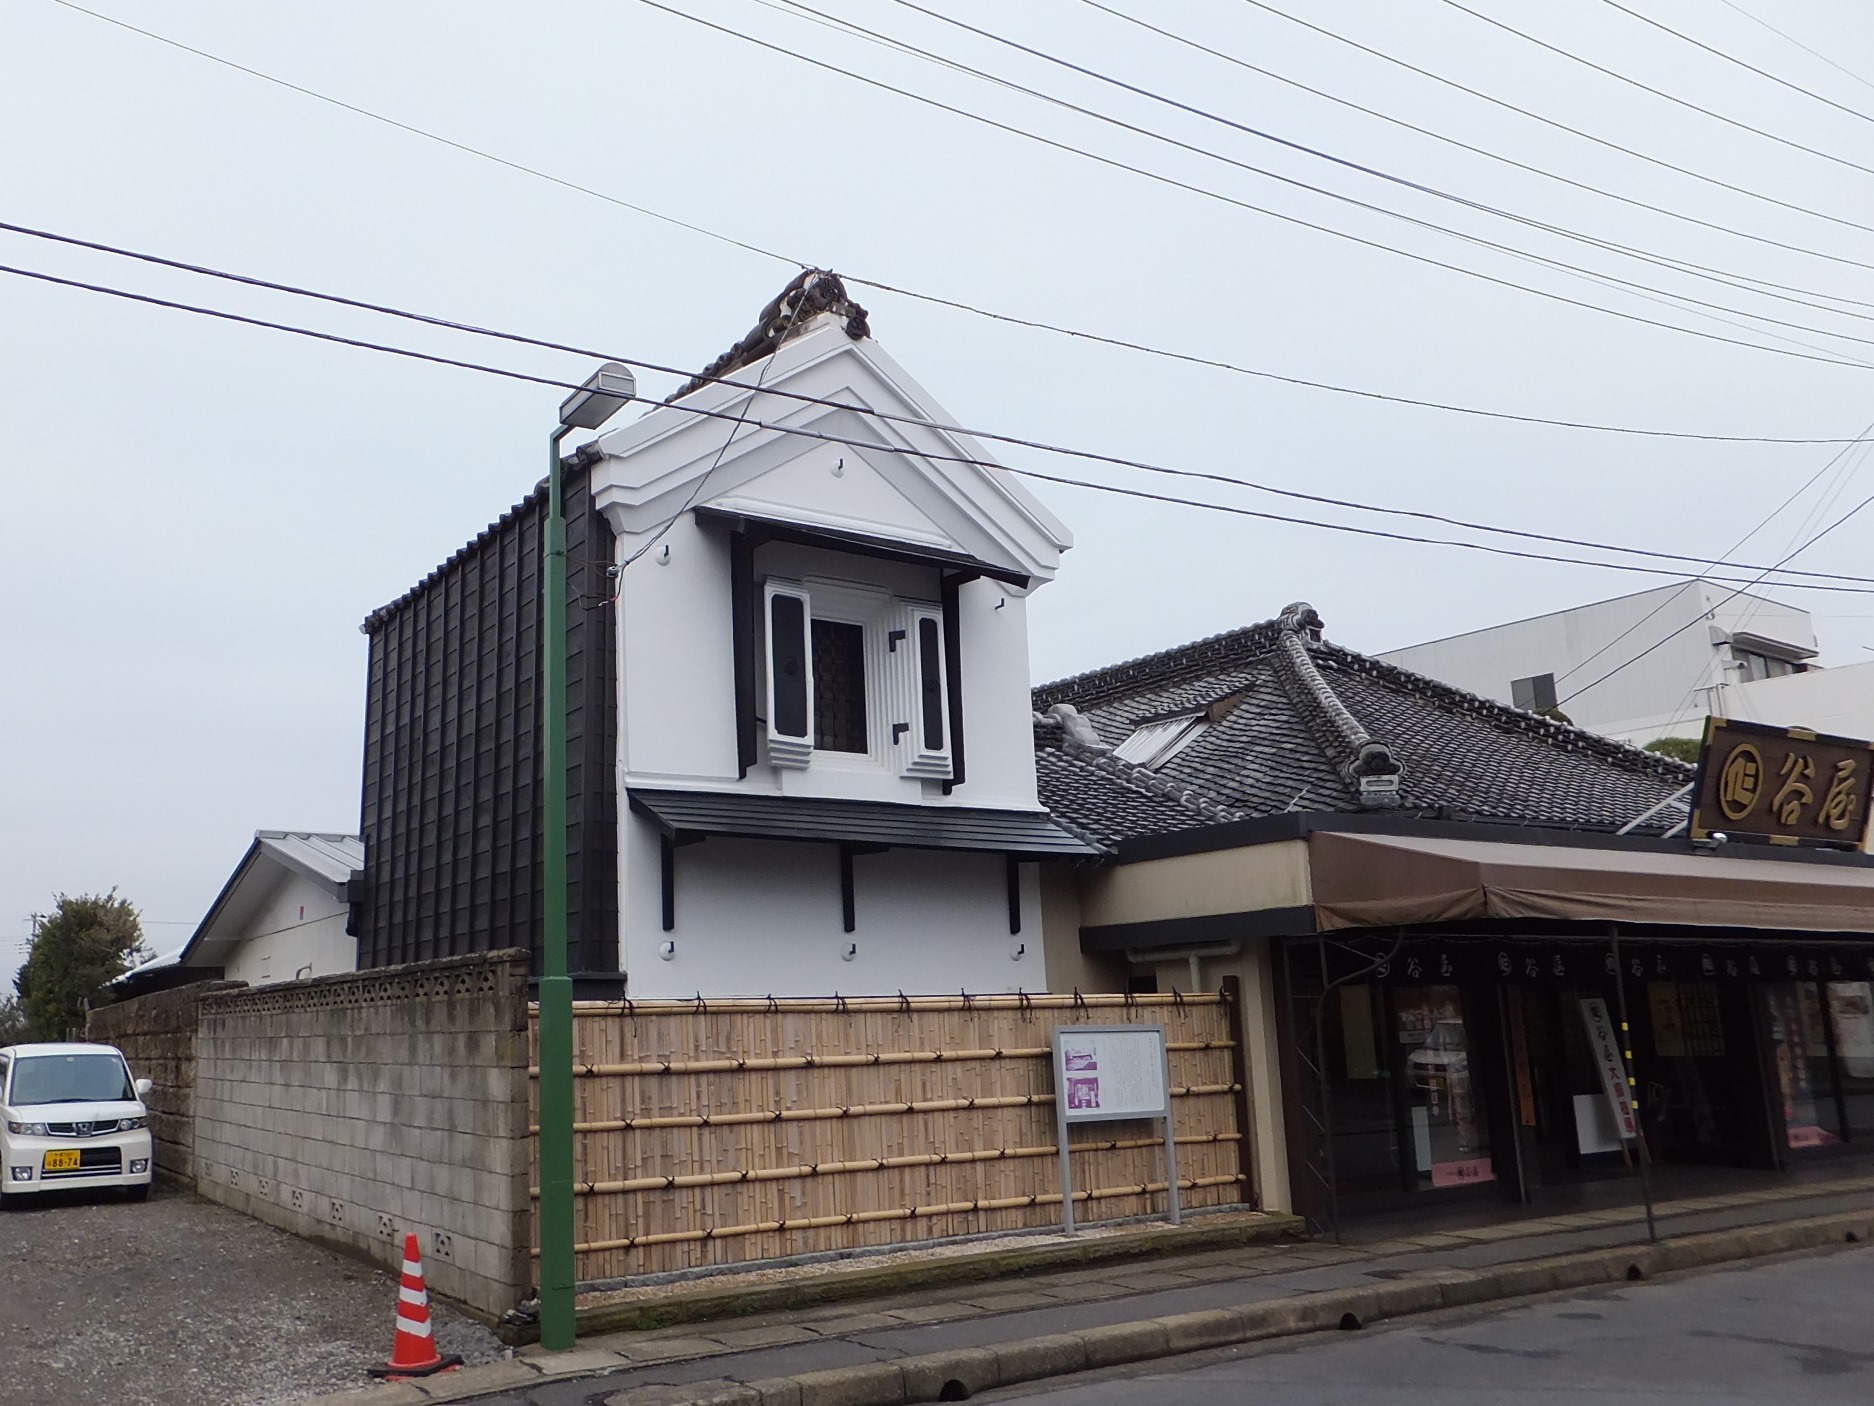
(1605, 1042)
(1107, 1072)
(1112, 1072)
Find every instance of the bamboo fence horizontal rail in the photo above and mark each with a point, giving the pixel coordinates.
(857, 1110)
(954, 1208)
(874, 1164)
(906, 1005)
(878, 1059)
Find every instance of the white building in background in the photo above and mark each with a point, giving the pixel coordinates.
(283, 914)
(1657, 663)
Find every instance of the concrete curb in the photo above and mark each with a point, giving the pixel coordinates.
(965, 1372)
(840, 1283)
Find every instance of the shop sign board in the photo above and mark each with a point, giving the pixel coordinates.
(1104, 1073)
(1604, 1041)
(1786, 785)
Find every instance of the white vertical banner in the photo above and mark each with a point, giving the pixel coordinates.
(1604, 1040)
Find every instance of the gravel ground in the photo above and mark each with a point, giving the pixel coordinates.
(181, 1302)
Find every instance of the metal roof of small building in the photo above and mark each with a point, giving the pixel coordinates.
(1297, 723)
(1029, 834)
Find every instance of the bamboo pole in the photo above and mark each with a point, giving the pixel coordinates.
(857, 1110)
(907, 1005)
(874, 1164)
(955, 1208)
(771, 1063)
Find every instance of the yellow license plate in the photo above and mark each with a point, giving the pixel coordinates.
(65, 1160)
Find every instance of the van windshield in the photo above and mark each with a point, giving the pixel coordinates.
(70, 1078)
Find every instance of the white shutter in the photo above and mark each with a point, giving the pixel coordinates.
(787, 622)
(921, 691)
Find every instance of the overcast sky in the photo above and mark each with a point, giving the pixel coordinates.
(195, 516)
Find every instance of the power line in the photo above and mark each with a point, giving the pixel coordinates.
(1791, 39)
(1764, 522)
(872, 446)
(1498, 156)
(1042, 446)
(1659, 93)
(1733, 59)
(1558, 125)
(1813, 355)
(430, 136)
(1057, 329)
(1673, 634)
(1727, 277)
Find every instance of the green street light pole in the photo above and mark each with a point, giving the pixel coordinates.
(602, 395)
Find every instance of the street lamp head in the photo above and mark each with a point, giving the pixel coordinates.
(601, 396)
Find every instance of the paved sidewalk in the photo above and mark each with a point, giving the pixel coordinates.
(910, 1346)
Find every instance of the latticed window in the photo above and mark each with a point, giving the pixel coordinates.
(839, 686)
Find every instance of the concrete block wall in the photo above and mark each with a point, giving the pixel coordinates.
(352, 1109)
(157, 1035)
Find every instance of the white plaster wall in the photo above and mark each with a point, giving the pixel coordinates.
(762, 918)
(676, 718)
(677, 677)
(1838, 701)
(300, 930)
(1566, 643)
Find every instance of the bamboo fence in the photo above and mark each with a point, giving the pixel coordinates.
(720, 1132)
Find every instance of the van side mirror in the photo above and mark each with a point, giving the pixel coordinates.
(143, 1087)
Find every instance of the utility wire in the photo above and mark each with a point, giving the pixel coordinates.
(959, 305)
(1815, 355)
(1524, 166)
(1762, 523)
(1740, 589)
(1558, 125)
(1733, 59)
(873, 446)
(1791, 39)
(1729, 278)
(430, 136)
(1658, 92)
(1042, 446)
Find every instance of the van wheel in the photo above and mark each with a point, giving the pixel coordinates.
(137, 1193)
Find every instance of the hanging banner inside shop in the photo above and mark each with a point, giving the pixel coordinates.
(1535, 961)
(1604, 1040)
(1786, 785)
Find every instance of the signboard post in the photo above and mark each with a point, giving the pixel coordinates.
(1103, 1073)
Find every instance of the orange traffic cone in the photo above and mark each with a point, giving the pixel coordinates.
(414, 1354)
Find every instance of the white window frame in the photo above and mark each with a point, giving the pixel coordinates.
(894, 693)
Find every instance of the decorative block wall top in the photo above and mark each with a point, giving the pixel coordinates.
(493, 975)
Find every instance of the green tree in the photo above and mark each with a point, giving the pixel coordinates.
(78, 947)
(1680, 749)
(12, 1022)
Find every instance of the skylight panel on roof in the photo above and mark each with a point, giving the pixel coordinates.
(1155, 743)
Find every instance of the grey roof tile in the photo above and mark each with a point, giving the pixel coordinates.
(1291, 740)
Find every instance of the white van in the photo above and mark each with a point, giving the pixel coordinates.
(71, 1116)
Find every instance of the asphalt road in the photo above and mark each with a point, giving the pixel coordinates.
(1777, 1331)
(181, 1302)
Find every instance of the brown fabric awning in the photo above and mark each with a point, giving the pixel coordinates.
(1368, 881)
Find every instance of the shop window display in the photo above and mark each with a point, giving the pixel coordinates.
(1447, 1134)
(1804, 1078)
(1851, 1010)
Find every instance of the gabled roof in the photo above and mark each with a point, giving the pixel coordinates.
(1299, 724)
(330, 861)
(817, 428)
